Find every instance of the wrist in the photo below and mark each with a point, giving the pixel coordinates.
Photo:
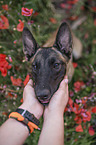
(32, 109)
(52, 113)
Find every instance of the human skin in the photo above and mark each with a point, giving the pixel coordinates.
(14, 132)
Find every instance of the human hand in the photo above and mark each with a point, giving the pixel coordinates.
(59, 100)
(30, 101)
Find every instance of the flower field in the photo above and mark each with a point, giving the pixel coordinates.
(43, 17)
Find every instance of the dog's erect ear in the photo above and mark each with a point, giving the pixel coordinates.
(29, 43)
(64, 40)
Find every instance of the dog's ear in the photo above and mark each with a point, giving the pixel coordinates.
(29, 44)
(64, 40)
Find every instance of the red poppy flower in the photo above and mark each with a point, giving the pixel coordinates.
(62, 5)
(78, 119)
(20, 26)
(70, 101)
(73, 18)
(4, 65)
(5, 113)
(86, 116)
(94, 109)
(36, 13)
(5, 7)
(94, 9)
(4, 23)
(72, 1)
(16, 82)
(86, 35)
(15, 41)
(75, 64)
(52, 20)
(21, 100)
(71, 93)
(82, 8)
(79, 128)
(27, 12)
(26, 80)
(78, 85)
(95, 22)
(91, 131)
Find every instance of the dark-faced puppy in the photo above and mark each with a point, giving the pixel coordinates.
(48, 64)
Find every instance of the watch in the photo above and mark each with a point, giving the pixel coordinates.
(26, 114)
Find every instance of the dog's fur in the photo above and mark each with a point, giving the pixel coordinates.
(49, 64)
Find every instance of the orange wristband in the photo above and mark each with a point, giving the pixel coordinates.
(20, 118)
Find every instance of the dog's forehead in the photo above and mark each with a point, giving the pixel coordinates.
(47, 53)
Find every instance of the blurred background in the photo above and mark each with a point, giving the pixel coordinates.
(43, 17)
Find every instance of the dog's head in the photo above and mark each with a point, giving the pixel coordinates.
(49, 63)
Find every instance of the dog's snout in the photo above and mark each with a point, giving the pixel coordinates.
(43, 94)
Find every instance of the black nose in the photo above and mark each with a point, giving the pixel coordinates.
(43, 94)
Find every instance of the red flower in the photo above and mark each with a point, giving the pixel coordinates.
(20, 26)
(4, 23)
(95, 22)
(5, 113)
(27, 12)
(78, 119)
(71, 93)
(62, 5)
(5, 7)
(75, 64)
(4, 65)
(21, 100)
(86, 116)
(91, 131)
(52, 20)
(78, 85)
(15, 41)
(94, 109)
(72, 1)
(79, 128)
(81, 114)
(36, 13)
(26, 80)
(94, 9)
(70, 101)
(72, 18)
(16, 82)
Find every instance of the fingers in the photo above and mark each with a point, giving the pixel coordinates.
(30, 82)
(64, 83)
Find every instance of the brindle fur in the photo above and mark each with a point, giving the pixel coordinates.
(49, 64)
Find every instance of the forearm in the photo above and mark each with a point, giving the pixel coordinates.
(53, 130)
(13, 132)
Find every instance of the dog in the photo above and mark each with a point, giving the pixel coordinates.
(49, 65)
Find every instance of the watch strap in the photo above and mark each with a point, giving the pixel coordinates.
(20, 118)
(28, 115)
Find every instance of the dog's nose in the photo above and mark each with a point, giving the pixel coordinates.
(43, 94)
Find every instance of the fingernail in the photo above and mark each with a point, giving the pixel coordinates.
(66, 81)
(30, 81)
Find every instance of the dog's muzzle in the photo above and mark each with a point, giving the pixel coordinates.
(43, 96)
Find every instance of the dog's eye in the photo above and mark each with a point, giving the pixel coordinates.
(56, 65)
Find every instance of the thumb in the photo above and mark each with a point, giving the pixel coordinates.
(64, 83)
(30, 82)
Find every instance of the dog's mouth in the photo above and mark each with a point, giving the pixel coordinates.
(44, 101)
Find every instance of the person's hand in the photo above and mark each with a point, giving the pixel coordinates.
(30, 101)
(59, 100)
